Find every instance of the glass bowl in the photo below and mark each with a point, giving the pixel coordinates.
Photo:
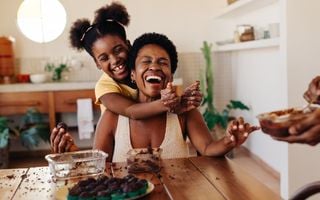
(144, 160)
(77, 164)
(277, 123)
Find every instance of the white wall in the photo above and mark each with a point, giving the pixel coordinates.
(257, 78)
(258, 81)
(186, 23)
(303, 64)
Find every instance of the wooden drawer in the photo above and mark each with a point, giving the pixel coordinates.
(18, 103)
(66, 101)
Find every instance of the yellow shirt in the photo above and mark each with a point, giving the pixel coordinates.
(107, 85)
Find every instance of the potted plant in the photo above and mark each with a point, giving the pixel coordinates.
(5, 131)
(56, 69)
(31, 130)
(215, 119)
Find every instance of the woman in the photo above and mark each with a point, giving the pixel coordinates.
(153, 59)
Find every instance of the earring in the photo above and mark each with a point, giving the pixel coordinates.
(133, 81)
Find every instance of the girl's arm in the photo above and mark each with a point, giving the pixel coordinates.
(122, 105)
(105, 132)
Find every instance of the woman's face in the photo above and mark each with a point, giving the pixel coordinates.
(152, 71)
(110, 53)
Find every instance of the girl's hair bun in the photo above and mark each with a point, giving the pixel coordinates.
(114, 11)
(77, 30)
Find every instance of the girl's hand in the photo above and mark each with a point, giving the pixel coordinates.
(169, 97)
(190, 99)
(192, 96)
(312, 95)
(238, 131)
(61, 141)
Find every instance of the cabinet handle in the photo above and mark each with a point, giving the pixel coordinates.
(20, 103)
(71, 101)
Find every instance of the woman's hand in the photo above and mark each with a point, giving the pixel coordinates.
(306, 131)
(238, 131)
(61, 141)
(312, 95)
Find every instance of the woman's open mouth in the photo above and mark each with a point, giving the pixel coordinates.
(153, 79)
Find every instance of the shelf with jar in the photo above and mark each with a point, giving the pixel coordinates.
(249, 37)
(254, 44)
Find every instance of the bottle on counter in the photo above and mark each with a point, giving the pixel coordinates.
(6, 58)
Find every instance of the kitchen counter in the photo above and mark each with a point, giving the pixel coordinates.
(51, 86)
(48, 98)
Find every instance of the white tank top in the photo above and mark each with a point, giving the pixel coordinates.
(173, 144)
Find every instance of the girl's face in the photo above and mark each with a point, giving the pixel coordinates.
(152, 71)
(110, 54)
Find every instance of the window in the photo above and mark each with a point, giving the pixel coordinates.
(41, 20)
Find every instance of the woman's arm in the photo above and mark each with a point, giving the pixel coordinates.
(237, 132)
(105, 132)
(200, 137)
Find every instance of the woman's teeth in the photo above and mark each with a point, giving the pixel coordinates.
(153, 79)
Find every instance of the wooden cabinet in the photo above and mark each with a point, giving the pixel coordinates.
(50, 102)
(66, 101)
(18, 103)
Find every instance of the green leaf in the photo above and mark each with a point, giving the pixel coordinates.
(238, 105)
(3, 123)
(4, 138)
(43, 131)
(30, 138)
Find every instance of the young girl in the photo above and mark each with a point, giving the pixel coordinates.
(106, 42)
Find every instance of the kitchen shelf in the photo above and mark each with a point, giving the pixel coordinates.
(265, 43)
(241, 7)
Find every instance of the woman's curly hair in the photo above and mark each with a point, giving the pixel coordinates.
(109, 19)
(157, 39)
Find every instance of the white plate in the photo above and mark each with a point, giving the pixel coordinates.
(62, 192)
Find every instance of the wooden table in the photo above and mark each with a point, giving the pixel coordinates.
(188, 178)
